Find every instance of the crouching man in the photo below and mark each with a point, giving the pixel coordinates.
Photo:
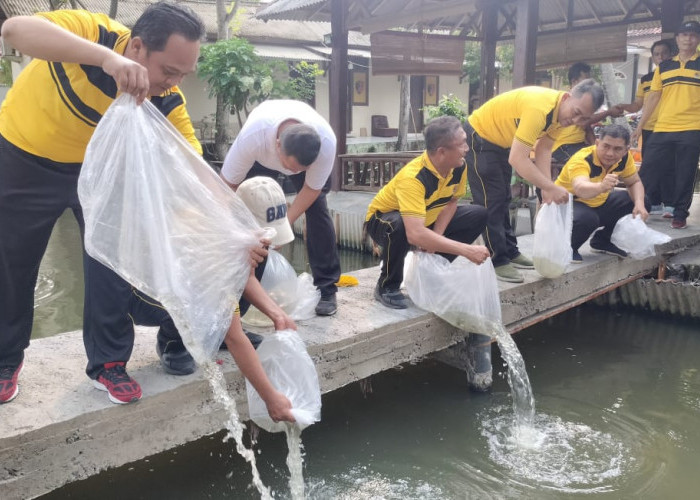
(591, 176)
(418, 207)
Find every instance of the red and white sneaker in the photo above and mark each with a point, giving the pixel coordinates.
(8, 382)
(120, 387)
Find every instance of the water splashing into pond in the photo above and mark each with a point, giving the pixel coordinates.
(218, 386)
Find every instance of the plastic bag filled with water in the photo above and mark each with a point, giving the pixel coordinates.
(296, 295)
(636, 238)
(163, 220)
(291, 370)
(551, 247)
(462, 293)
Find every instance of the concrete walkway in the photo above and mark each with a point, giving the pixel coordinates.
(60, 429)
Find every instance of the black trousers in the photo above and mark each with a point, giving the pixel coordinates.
(320, 233)
(588, 219)
(663, 192)
(661, 150)
(389, 232)
(34, 192)
(489, 175)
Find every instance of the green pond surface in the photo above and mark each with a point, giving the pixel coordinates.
(618, 416)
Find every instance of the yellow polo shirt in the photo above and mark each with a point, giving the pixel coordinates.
(53, 108)
(418, 190)
(642, 90)
(585, 163)
(679, 106)
(573, 134)
(524, 114)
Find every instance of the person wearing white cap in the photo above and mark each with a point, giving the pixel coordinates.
(290, 137)
(265, 199)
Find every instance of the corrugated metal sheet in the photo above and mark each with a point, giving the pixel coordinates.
(246, 24)
(290, 9)
(677, 299)
(288, 52)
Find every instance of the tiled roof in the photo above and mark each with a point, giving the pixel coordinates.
(246, 25)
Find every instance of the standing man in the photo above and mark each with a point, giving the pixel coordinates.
(500, 135)
(419, 207)
(292, 138)
(661, 50)
(591, 176)
(675, 90)
(81, 62)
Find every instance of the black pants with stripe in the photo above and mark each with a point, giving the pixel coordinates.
(661, 151)
(320, 233)
(664, 191)
(489, 175)
(588, 219)
(389, 232)
(34, 192)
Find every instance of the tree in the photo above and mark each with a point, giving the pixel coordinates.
(449, 105)
(225, 13)
(302, 84)
(404, 113)
(471, 67)
(237, 77)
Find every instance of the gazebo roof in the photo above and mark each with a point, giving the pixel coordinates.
(463, 17)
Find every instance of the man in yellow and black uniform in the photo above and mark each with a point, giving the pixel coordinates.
(418, 207)
(675, 90)
(46, 121)
(591, 176)
(575, 137)
(501, 134)
(661, 50)
(572, 138)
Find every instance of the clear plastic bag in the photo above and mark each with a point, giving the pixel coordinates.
(551, 247)
(160, 217)
(291, 370)
(296, 295)
(636, 238)
(462, 293)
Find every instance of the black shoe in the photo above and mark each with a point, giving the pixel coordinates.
(576, 257)
(608, 248)
(254, 338)
(391, 298)
(327, 306)
(175, 358)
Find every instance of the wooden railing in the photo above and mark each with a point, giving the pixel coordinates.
(371, 171)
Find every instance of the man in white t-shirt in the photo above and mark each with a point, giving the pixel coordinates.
(291, 138)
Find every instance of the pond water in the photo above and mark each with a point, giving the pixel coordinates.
(59, 292)
(618, 416)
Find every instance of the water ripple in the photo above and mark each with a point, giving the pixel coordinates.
(575, 453)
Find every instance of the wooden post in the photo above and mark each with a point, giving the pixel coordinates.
(526, 43)
(338, 84)
(488, 50)
(671, 15)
